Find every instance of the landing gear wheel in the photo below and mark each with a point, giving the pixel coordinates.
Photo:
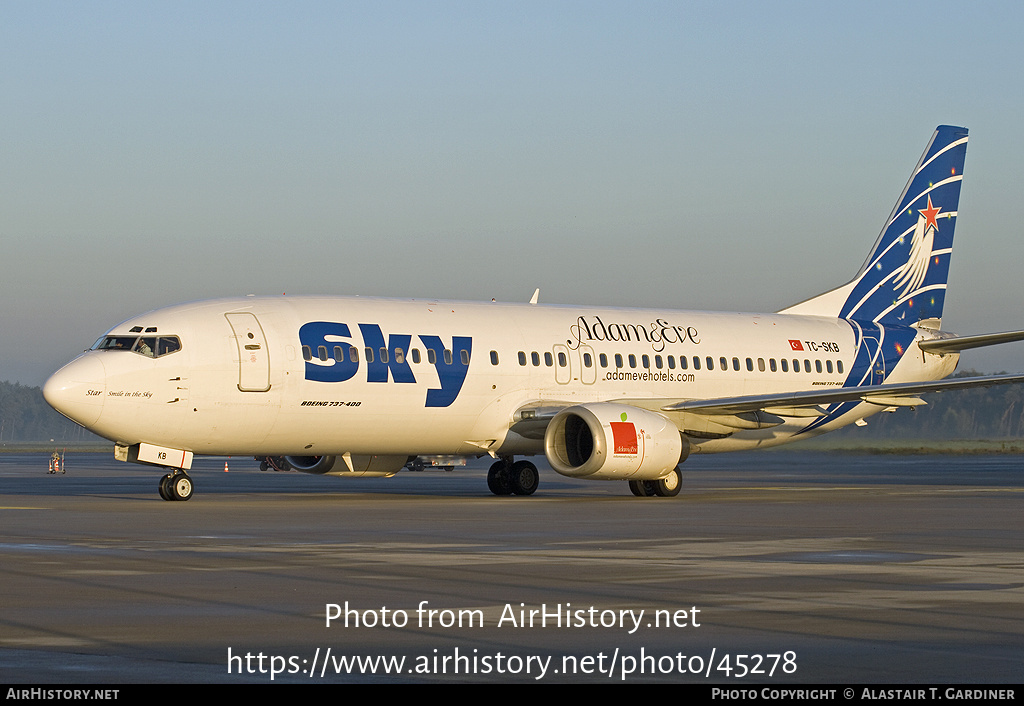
(165, 487)
(524, 478)
(181, 487)
(637, 488)
(498, 480)
(668, 487)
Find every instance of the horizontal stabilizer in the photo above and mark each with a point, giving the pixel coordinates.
(962, 343)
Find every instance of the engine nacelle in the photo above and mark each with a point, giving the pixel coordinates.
(609, 441)
(362, 466)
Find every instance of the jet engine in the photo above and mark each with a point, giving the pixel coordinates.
(361, 466)
(609, 441)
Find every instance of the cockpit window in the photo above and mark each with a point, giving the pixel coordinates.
(121, 343)
(149, 346)
(167, 344)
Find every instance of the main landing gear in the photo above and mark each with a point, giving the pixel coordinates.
(508, 478)
(176, 486)
(667, 487)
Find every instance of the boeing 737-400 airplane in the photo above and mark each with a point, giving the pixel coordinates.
(352, 386)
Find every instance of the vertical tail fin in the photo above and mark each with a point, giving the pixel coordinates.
(903, 281)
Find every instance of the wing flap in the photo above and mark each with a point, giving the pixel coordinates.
(892, 401)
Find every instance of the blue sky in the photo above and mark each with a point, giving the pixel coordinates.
(729, 156)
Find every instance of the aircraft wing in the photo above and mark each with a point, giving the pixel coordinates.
(888, 395)
(759, 411)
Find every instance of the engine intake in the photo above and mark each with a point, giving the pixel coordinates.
(610, 441)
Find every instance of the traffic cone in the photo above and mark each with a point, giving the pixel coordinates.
(225, 466)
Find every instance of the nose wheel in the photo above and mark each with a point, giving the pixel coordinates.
(176, 486)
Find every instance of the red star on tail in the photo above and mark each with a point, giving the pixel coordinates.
(930, 214)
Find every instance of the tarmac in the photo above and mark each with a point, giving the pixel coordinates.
(769, 568)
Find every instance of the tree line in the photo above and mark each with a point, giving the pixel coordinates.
(26, 418)
(995, 412)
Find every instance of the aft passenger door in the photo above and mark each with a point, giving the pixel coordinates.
(876, 360)
(253, 356)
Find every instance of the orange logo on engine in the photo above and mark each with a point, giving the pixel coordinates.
(624, 437)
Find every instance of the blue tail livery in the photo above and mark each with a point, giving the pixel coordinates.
(903, 280)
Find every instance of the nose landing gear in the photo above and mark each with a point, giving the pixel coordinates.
(176, 486)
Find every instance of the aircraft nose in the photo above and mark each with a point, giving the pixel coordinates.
(77, 390)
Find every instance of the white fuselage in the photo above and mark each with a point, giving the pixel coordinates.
(274, 376)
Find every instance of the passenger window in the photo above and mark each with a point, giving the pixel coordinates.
(618, 360)
(307, 354)
(339, 355)
(431, 356)
(760, 364)
(771, 365)
(494, 357)
(828, 366)
(735, 363)
(839, 367)
(750, 365)
(723, 363)
(785, 365)
(369, 354)
(522, 357)
(807, 366)
(682, 362)
(632, 360)
(657, 362)
(645, 360)
(447, 357)
(415, 355)
(604, 360)
(817, 365)
(672, 362)
(588, 360)
(464, 356)
(399, 356)
(562, 362)
(548, 360)
(696, 362)
(322, 353)
(796, 365)
(383, 355)
(711, 363)
(353, 354)
(535, 358)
